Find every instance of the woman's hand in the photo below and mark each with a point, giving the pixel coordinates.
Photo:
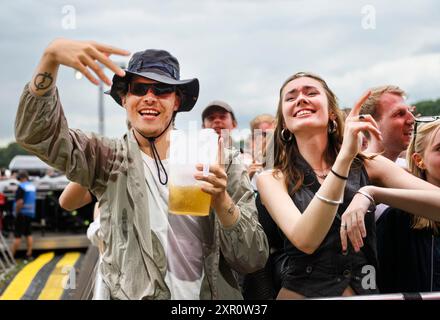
(353, 222)
(85, 55)
(354, 124)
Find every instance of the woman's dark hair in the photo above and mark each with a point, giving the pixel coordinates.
(287, 153)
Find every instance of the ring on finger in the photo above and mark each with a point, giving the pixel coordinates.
(343, 226)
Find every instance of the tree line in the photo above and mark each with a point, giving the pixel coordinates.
(428, 107)
(7, 153)
(423, 108)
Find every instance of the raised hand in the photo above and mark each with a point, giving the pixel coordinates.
(85, 55)
(356, 123)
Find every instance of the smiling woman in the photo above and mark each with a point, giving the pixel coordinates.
(322, 190)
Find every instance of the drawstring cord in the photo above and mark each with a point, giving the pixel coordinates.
(155, 153)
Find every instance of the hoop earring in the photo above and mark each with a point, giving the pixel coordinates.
(283, 138)
(332, 127)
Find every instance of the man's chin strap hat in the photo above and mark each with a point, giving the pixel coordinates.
(161, 66)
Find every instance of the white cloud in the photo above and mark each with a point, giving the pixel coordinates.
(240, 50)
(418, 75)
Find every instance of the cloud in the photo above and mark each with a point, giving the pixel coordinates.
(417, 75)
(240, 50)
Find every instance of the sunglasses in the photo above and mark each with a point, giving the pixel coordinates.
(421, 120)
(159, 89)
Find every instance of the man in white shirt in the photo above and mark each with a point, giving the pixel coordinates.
(128, 176)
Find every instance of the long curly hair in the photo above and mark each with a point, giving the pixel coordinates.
(286, 153)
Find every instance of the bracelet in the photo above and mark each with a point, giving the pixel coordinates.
(328, 201)
(368, 197)
(338, 175)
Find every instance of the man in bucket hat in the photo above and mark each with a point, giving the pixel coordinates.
(148, 254)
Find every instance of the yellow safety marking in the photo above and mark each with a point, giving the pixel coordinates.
(61, 278)
(17, 288)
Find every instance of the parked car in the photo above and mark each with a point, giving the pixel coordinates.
(32, 164)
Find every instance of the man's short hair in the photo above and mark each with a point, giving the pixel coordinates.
(370, 106)
(261, 119)
(22, 174)
(217, 105)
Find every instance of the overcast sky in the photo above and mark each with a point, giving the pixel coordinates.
(241, 51)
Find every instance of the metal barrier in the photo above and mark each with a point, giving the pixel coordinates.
(7, 262)
(391, 296)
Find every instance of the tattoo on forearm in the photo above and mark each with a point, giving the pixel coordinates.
(43, 81)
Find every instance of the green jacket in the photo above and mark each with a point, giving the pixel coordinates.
(134, 264)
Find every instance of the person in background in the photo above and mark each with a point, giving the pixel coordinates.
(394, 118)
(386, 104)
(3, 174)
(75, 196)
(259, 285)
(218, 115)
(261, 127)
(409, 246)
(24, 210)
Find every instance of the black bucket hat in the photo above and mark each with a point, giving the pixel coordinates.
(161, 66)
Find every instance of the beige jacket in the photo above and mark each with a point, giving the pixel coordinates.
(133, 263)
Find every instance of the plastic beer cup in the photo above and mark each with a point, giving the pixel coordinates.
(186, 150)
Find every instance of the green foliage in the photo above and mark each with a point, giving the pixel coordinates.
(6, 154)
(428, 107)
(423, 108)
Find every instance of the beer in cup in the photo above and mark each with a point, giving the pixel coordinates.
(186, 150)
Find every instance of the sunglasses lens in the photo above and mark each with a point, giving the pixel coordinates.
(161, 89)
(141, 89)
(427, 118)
(420, 121)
